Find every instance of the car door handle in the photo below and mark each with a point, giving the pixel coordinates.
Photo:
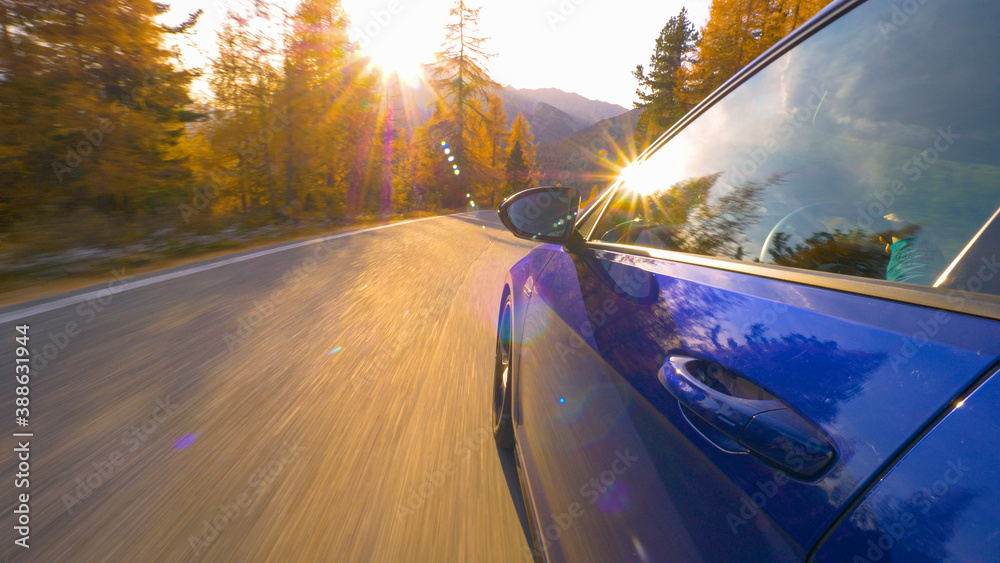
(748, 414)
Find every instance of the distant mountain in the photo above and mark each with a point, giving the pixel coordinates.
(551, 113)
(550, 124)
(584, 110)
(554, 114)
(590, 158)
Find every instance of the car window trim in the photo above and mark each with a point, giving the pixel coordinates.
(974, 243)
(952, 300)
(597, 207)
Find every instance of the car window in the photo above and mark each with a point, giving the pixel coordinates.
(871, 149)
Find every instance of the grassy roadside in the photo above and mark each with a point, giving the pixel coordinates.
(19, 287)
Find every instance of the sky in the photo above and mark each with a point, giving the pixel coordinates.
(589, 47)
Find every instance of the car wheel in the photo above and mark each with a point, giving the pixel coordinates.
(503, 426)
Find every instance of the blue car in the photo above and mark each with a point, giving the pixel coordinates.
(776, 336)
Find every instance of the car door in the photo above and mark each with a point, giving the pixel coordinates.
(939, 502)
(775, 301)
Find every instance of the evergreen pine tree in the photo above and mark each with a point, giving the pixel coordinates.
(660, 88)
(517, 170)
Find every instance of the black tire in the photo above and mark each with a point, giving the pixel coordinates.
(503, 425)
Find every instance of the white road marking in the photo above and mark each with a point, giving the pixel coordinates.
(130, 285)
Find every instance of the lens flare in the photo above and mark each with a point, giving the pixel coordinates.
(185, 441)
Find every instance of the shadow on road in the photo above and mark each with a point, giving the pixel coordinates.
(509, 465)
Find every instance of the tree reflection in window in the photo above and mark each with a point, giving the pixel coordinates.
(854, 252)
(687, 218)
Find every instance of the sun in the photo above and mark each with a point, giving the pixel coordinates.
(394, 36)
(396, 61)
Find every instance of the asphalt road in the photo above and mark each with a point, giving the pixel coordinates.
(324, 402)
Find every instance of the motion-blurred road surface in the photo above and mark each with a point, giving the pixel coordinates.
(325, 402)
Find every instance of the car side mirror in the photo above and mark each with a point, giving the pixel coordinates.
(545, 214)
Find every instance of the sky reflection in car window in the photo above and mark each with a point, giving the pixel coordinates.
(867, 150)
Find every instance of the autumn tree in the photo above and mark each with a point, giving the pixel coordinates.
(27, 103)
(433, 159)
(496, 134)
(521, 159)
(660, 87)
(404, 195)
(463, 86)
(798, 11)
(737, 32)
(394, 141)
(496, 130)
(245, 79)
(94, 107)
(329, 95)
